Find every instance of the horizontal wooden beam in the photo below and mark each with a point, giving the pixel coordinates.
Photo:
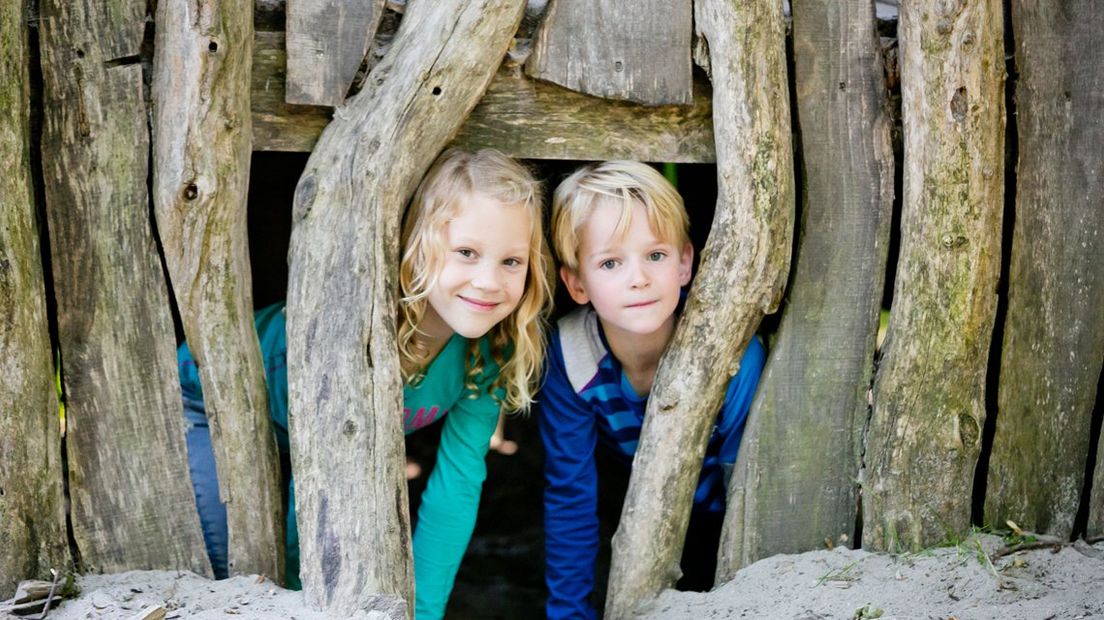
(519, 116)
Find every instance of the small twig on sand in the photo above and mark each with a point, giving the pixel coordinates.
(50, 596)
(1038, 544)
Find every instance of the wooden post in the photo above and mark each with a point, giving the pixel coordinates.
(32, 513)
(343, 367)
(742, 276)
(637, 51)
(795, 481)
(929, 404)
(326, 42)
(1054, 334)
(132, 504)
(202, 146)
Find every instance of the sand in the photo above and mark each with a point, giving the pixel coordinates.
(952, 582)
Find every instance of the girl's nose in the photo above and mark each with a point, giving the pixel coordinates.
(486, 278)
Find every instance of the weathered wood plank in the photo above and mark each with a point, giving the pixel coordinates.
(636, 51)
(343, 367)
(742, 275)
(800, 455)
(929, 396)
(132, 503)
(326, 42)
(521, 117)
(1054, 332)
(32, 513)
(201, 154)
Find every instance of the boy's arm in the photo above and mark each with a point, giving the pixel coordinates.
(450, 502)
(570, 495)
(737, 403)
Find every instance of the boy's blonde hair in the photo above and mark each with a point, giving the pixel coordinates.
(621, 184)
(517, 342)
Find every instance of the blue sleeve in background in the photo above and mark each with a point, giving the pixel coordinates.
(569, 434)
(738, 399)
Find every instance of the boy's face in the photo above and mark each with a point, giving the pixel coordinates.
(632, 280)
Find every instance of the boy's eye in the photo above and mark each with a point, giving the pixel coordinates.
(657, 256)
(607, 264)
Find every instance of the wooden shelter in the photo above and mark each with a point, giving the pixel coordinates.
(981, 406)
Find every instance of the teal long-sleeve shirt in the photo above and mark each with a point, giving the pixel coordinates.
(450, 502)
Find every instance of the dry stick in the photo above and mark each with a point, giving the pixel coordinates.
(50, 596)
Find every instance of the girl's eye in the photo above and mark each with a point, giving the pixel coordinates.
(466, 252)
(512, 262)
(657, 256)
(607, 264)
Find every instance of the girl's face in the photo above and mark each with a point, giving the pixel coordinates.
(482, 276)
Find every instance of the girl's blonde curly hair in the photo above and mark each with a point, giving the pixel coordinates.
(517, 342)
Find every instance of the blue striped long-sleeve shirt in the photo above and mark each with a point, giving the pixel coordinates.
(586, 398)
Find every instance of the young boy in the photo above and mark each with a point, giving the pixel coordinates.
(621, 233)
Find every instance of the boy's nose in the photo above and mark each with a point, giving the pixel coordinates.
(639, 276)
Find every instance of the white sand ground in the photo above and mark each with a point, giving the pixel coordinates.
(945, 583)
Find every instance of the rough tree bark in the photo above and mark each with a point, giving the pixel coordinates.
(132, 502)
(202, 146)
(929, 406)
(326, 42)
(1054, 332)
(794, 484)
(343, 367)
(742, 276)
(32, 513)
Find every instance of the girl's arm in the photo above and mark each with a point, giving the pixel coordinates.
(450, 502)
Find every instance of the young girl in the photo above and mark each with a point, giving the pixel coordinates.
(474, 277)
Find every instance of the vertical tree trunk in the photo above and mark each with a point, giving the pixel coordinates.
(32, 513)
(742, 275)
(800, 456)
(343, 367)
(132, 503)
(1054, 333)
(929, 405)
(203, 141)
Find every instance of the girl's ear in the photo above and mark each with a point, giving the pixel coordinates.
(574, 285)
(686, 264)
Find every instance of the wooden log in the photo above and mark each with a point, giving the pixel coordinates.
(32, 513)
(201, 154)
(635, 51)
(742, 275)
(521, 117)
(132, 504)
(343, 368)
(929, 396)
(1054, 332)
(326, 42)
(795, 481)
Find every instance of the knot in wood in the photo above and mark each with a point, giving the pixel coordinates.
(191, 192)
(349, 428)
(958, 104)
(951, 241)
